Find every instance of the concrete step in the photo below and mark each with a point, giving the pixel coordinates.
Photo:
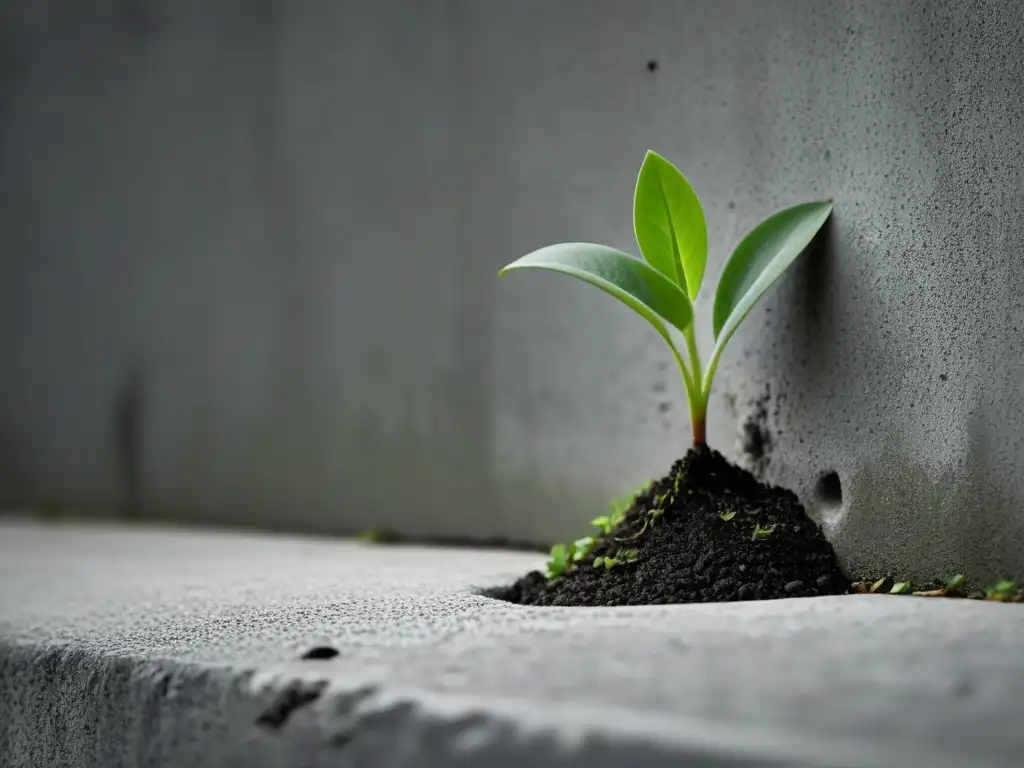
(141, 646)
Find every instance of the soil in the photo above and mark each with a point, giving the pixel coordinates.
(702, 548)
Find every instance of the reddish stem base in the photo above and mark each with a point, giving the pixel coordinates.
(698, 433)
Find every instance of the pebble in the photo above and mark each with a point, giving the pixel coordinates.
(746, 592)
(795, 587)
(824, 583)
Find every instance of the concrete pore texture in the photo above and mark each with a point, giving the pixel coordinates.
(149, 647)
(278, 300)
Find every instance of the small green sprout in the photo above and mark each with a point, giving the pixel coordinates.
(878, 584)
(559, 562)
(622, 557)
(900, 588)
(608, 523)
(649, 521)
(727, 516)
(376, 536)
(1001, 590)
(956, 583)
(761, 533)
(582, 547)
(671, 231)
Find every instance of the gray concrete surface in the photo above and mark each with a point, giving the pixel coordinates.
(147, 647)
(250, 253)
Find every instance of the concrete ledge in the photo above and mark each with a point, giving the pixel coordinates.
(125, 647)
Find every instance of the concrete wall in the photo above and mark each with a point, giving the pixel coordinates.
(249, 255)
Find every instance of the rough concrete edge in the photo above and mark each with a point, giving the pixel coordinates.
(86, 708)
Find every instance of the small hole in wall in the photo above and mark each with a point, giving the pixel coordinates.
(320, 652)
(829, 490)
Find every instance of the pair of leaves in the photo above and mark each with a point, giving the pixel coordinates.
(564, 556)
(672, 235)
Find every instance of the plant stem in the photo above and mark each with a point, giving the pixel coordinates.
(697, 424)
(692, 384)
(694, 391)
(698, 399)
(691, 348)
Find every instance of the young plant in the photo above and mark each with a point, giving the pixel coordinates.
(1001, 590)
(762, 533)
(672, 235)
(582, 547)
(878, 585)
(622, 557)
(559, 561)
(649, 520)
(617, 513)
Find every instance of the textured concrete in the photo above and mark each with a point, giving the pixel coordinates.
(250, 253)
(134, 647)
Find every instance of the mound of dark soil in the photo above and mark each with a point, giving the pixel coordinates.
(702, 546)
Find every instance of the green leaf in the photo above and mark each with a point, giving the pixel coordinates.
(669, 223)
(559, 560)
(1003, 588)
(582, 547)
(758, 261)
(630, 280)
(955, 583)
(900, 588)
(727, 516)
(762, 533)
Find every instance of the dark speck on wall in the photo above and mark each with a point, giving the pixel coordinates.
(320, 652)
(652, 65)
(943, 377)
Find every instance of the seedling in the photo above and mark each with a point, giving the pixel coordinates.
(879, 584)
(649, 520)
(956, 583)
(376, 536)
(582, 547)
(622, 557)
(761, 533)
(900, 588)
(727, 516)
(608, 523)
(560, 560)
(564, 556)
(1001, 590)
(672, 235)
